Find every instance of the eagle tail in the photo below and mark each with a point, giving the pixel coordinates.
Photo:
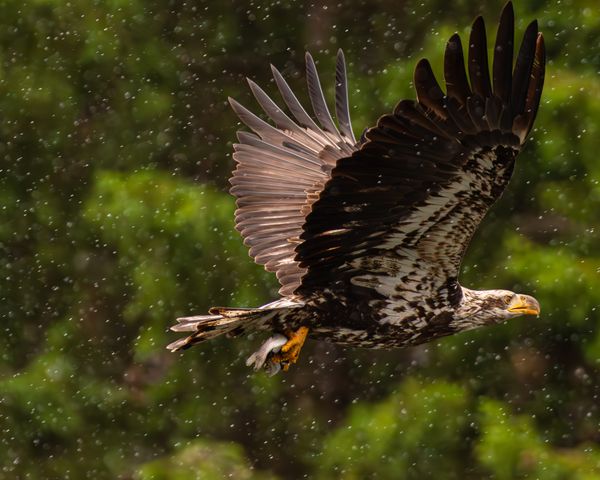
(222, 321)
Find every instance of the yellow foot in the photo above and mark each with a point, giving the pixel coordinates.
(290, 351)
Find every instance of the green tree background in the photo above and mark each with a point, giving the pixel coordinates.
(115, 148)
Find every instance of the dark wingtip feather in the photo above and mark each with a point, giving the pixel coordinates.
(503, 54)
(534, 92)
(523, 66)
(457, 85)
(479, 72)
(479, 22)
(428, 90)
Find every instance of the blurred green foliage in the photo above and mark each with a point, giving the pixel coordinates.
(202, 461)
(115, 146)
(420, 429)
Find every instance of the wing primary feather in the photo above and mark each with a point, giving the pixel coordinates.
(271, 108)
(457, 85)
(503, 54)
(278, 151)
(317, 99)
(246, 137)
(257, 124)
(262, 128)
(428, 90)
(342, 107)
(292, 102)
(281, 169)
(523, 67)
(282, 121)
(479, 71)
(536, 83)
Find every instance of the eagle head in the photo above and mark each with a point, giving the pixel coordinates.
(486, 307)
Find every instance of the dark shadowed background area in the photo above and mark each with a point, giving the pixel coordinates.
(115, 149)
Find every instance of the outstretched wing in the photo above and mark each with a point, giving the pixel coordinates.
(281, 169)
(398, 214)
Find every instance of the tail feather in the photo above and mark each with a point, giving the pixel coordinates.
(221, 321)
(190, 324)
(231, 312)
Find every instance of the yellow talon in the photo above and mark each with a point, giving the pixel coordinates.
(290, 351)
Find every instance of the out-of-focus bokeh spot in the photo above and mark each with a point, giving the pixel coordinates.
(115, 148)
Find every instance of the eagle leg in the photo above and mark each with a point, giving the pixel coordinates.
(289, 352)
(271, 345)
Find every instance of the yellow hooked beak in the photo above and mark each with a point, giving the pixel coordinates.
(524, 305)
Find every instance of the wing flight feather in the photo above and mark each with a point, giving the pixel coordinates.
(404, 206)
(281, 168)
(323, 211)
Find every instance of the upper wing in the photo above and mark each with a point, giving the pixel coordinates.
(397, 215)
(281, 170)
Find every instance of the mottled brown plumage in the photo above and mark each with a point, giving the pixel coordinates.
(366, 238)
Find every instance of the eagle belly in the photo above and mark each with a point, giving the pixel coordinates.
(366, 323)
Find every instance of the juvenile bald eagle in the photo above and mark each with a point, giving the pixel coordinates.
(366, 237)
